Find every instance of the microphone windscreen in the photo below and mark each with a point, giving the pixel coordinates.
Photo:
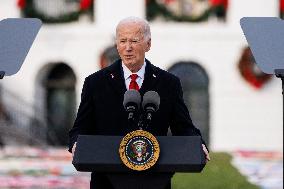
(152, 98)
(132, 96)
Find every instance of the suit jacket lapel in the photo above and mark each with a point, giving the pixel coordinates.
(115, 77)
(150, 78)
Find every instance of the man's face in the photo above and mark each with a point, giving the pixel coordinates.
(131, 45)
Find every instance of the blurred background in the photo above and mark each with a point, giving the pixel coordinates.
(237, 107)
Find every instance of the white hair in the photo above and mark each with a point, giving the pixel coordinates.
(143, 23)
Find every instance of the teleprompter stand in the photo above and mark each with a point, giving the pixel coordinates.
(280, 74)
(100, 154)
(2, 73)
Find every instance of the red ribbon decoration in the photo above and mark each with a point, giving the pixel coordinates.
(216, 3)
(85, 4)
(21, 4)
(282, 6)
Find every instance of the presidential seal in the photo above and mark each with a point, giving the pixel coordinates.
(139, 150)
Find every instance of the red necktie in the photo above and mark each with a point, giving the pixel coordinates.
(133, 84)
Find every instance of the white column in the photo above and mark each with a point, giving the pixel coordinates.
(109, 12)
(251, 8)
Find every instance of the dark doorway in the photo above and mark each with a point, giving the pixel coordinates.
(60, 103)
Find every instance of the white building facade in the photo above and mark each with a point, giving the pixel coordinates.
(238, 115)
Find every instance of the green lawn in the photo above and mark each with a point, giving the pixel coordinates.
(217, 174)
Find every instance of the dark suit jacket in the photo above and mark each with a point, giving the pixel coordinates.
(101, 110)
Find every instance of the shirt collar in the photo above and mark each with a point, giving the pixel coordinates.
(127, 72)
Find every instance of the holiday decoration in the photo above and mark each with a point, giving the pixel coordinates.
(219, 8)
(250, 72)
(281, 3)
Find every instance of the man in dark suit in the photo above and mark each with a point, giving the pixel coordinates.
(101, 110)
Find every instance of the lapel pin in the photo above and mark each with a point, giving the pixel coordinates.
(154, 75)
(112, 76)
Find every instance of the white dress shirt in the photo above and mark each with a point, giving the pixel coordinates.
(127, 73)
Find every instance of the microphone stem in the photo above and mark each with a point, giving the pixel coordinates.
(149, 116)
(148, 120)
(140, 123)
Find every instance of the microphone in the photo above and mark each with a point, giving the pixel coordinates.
(150, 104)
(131, 102)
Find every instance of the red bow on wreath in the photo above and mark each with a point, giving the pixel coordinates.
(85, 4)
(282, 6)
(216, 3)
(21, 4)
